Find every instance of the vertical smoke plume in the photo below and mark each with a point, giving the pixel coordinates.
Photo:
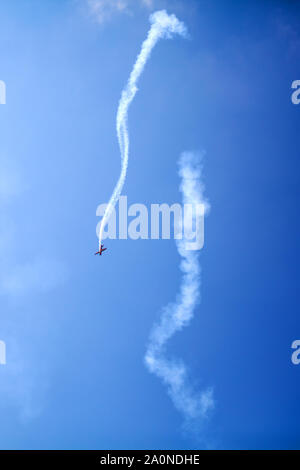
(162, 26)
(177, 315)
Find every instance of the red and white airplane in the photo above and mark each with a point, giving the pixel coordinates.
(101, 250)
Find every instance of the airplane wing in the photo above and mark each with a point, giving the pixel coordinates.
(100, 251)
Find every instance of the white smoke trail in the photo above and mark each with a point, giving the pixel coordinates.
(177, 315)
(162, 26)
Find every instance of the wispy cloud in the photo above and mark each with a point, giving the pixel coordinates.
(23, 381)
(289, 32)
(11, 182)
(40, 275)
(104, 10)
(148, 3)
(192, 404)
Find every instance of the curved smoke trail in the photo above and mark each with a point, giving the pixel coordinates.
(162, 26)
(177, 315)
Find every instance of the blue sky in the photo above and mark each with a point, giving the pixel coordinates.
(75, 326)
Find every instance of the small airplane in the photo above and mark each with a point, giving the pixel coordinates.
(101, 250)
